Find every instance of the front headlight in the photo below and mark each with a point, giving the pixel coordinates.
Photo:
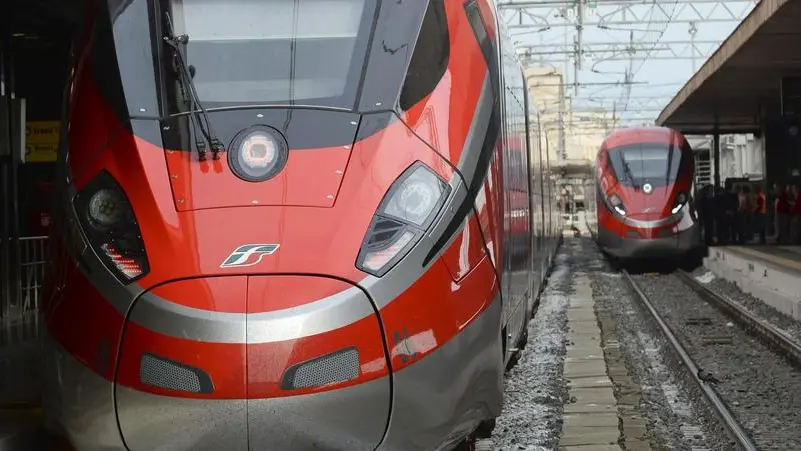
(681, 201)
(410, 206)
(258, 154)
(110, 226)
(617, 204)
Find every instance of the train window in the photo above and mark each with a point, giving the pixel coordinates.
(654, 163)
(122, 59)
(485, 42)
(257, 52)
(430, 58)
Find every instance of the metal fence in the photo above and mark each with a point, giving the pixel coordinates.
(23, 277)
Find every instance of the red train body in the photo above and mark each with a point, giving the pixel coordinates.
(642, 186)
(328, 262)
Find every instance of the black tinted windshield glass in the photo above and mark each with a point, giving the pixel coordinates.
(654, 163)
(298, 52)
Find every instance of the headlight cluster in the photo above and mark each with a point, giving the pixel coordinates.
(110, 226)
(617, 205)
(408, 209)
(258, 154)
(681, 201)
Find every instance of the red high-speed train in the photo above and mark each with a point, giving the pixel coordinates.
(291, 226)
(642, 183)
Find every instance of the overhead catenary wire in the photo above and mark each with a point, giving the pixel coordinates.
(613, 16)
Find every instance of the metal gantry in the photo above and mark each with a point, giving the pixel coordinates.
(618, 51)
(637, 104)
(596, 32)
(532, 15)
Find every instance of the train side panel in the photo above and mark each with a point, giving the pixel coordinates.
(591, 198)
(502, 210)
(554, 215)
(540, 243)
(461, 118)
(545, 151)
(516, 280)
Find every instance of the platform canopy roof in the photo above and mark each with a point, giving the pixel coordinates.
(743, 75)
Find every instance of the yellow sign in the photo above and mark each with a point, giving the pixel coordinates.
(41, 141)
(41, 153)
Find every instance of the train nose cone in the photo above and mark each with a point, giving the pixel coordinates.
(182, 379)
(253, 362)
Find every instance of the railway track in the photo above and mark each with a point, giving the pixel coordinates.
(762, 329)
(699, 325)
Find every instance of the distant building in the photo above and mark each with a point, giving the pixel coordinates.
(547, 90)
(572, 138)
(740, 156)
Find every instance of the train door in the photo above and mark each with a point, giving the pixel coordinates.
(546, 215)
(553, 212)
(542, 156)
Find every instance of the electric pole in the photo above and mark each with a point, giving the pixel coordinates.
(629, 73)
(562, 151)
(614, 113)
(579, 49)
(692, 32)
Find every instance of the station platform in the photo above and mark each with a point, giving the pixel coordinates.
(19, 362)
(20, 389)
(771, 273)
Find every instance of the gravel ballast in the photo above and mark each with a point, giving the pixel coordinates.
(758, 385)
(672, 405)
(754, 305)
(535, 391)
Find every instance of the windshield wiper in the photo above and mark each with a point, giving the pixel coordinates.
(627, 172)
(198, 114)
(669, 163)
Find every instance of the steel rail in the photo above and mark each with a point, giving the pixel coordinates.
(772, 336)
(732, 426)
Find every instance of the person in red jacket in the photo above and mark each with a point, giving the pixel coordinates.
(781, 213)
(795, 222)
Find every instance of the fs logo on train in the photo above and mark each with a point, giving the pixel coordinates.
(248, 255)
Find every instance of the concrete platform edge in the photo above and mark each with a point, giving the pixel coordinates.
(591, 419)
(778, 289)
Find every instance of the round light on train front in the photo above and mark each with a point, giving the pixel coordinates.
(106, 208)
(416, 200)
(681, 198)
(258, 154)
(416, 197)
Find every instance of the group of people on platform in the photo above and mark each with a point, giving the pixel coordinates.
(736, 214)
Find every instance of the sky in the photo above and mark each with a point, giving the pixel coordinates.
(657, 80)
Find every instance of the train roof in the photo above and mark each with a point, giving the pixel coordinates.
(633, 135)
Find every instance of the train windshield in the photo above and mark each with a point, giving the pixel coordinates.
(654, 163)
(259, 52)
